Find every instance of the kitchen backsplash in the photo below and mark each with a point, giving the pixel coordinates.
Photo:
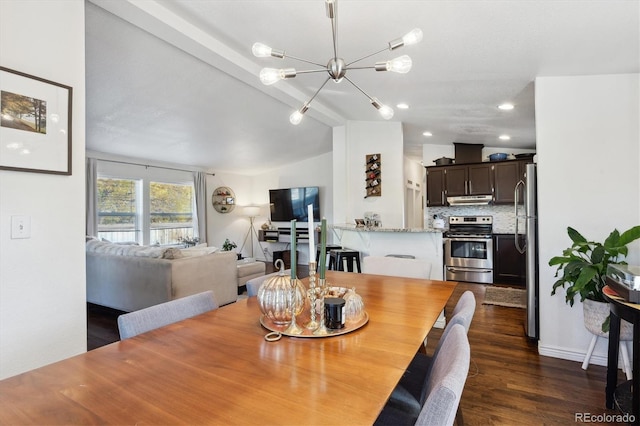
(504, 221)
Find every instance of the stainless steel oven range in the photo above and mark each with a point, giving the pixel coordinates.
(468, 249)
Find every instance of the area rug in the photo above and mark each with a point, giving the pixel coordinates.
(505, 296)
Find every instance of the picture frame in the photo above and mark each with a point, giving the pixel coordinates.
(35, 124)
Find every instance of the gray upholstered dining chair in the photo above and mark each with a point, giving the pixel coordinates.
(137, 322)
(410, 392)
(443, 387)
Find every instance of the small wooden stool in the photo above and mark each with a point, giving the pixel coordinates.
(337, 257)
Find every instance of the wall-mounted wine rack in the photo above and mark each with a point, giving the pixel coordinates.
(373, 176)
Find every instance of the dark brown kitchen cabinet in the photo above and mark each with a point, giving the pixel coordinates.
(472, 179)
(507, 175)
(455, 181)
(509, 266)
(480, 179)
(435, 187)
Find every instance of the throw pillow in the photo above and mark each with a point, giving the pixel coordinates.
(172, 253)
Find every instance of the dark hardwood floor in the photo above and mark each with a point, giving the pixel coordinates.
(508, 382)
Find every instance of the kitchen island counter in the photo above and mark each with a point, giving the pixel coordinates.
(422, 243)
(347, 227)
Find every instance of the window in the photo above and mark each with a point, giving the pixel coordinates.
(144, 211)
(171, 212)
(118, 209)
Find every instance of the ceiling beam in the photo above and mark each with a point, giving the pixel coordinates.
(171, 28)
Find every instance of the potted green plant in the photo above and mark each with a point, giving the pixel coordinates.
(584, 268)
(229, 245)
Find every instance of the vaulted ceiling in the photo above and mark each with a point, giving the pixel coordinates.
(175, 81)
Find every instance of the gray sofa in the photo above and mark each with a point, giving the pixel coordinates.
(129, 278)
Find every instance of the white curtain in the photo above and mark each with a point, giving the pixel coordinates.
(200, 217)
(92, 197)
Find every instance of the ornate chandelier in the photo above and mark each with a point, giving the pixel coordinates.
(337, 67)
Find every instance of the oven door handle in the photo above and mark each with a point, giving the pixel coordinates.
(484, 271)
(470, 239)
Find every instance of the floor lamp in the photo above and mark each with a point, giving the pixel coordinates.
(252, 212)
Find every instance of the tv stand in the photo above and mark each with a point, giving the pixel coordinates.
(283, 235)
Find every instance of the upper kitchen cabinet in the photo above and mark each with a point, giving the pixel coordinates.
(507, 175)
(470, 179)
(436, 190)
(496, 178)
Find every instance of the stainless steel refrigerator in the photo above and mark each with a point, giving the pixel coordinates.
(527, 216)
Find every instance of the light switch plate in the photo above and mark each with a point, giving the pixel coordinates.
(20, 227)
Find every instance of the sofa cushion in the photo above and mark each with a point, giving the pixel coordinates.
(127, 250)
(198, 251)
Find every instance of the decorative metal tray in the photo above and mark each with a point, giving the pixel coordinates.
(304, 318)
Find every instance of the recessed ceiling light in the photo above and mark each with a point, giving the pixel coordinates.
(403, 106)
(427, 134)
(504, 137)
(506, 107)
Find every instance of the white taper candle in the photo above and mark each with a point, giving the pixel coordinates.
(312, 244)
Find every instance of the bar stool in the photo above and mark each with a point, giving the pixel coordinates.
(337, 257)
(328, 248)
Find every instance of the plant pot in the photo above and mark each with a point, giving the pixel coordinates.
(595, 313)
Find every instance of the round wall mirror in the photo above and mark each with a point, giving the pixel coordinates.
(223, 199)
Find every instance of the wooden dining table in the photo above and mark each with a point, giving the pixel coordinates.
(217, 368)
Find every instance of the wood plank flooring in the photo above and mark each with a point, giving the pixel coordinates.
(508, 383)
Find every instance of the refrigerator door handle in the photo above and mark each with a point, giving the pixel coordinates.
(516, 240)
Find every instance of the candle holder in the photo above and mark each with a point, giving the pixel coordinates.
(313, 296)
(293, 328)
(322, 329)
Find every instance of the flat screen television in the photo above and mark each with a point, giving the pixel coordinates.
(291, 203)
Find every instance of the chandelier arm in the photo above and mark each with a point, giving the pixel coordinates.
(368, 56)
(357, 87)
(317, 91)
(360, 68)
(311, 71)
(334, 30)
(305, 60)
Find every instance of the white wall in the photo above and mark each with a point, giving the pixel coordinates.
(233, 225)
(358, 140)
(588, 146)
(42, 279)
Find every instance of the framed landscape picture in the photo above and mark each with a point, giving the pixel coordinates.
(35, 124)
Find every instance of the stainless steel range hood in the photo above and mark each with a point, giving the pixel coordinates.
(470, 200)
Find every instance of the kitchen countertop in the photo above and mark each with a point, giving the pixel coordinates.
(348, 227)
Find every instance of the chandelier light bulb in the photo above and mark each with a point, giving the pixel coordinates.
(261, 50)
(269, 76)
(386, 112)
(401, 64)
(296, 118)
(412, 37)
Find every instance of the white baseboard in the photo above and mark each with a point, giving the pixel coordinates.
(563, 353)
